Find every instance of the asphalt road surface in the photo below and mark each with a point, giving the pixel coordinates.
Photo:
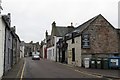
(50, 69)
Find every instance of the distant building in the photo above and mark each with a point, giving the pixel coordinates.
(43, 49)
(31, 47)
(22, 49)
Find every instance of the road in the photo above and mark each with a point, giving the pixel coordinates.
(50, 69)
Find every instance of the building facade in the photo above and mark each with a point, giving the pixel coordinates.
(74, 51)
(8, 44)
(2, 41)
(22, 48)
(31, 47)
(56, 33)
(96, 38)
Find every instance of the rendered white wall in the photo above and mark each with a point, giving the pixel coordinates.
(2, 39)
(51, 52)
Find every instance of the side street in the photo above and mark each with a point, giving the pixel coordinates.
(90, 50)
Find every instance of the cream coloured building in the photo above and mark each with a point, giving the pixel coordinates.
(74, 51)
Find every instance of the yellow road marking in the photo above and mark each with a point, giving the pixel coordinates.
(82, 71)
(88, 73)
(23, 71)
(19, 71)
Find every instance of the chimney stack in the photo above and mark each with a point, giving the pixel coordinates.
(54, 24)
(46, 33)
(14, 28)
(71, 24)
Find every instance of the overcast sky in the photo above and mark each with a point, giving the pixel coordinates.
(33, 17)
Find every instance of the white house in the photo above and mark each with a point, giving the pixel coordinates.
(51, 51)
(56, 33)
(51, 54)
(2, 41)
(22, 48)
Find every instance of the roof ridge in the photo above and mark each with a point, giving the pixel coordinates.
(61, 26)
(88, 21)
(92, 19)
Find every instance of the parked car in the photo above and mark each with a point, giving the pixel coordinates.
(35, 56)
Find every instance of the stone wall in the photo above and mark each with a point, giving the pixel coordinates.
(103, 37)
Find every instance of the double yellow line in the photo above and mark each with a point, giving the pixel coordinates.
(21, 69)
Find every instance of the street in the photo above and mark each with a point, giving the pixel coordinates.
(49, 69)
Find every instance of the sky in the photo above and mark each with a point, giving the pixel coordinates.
(33, 17)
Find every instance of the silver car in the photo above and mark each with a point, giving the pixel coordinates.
(35, 56)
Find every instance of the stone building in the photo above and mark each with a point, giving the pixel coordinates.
(31, 47)
(94, 38)
(43, 49)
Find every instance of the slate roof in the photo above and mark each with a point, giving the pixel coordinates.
(82, 27)
(6, 19)
(48, 38)
(61, 31)
(86, 24)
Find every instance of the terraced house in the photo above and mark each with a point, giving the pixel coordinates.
(9, 45)
(2, 41)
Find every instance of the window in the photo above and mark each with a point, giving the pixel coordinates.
(73, 54)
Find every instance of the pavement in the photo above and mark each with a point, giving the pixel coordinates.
(110, 74)
(15, 72)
